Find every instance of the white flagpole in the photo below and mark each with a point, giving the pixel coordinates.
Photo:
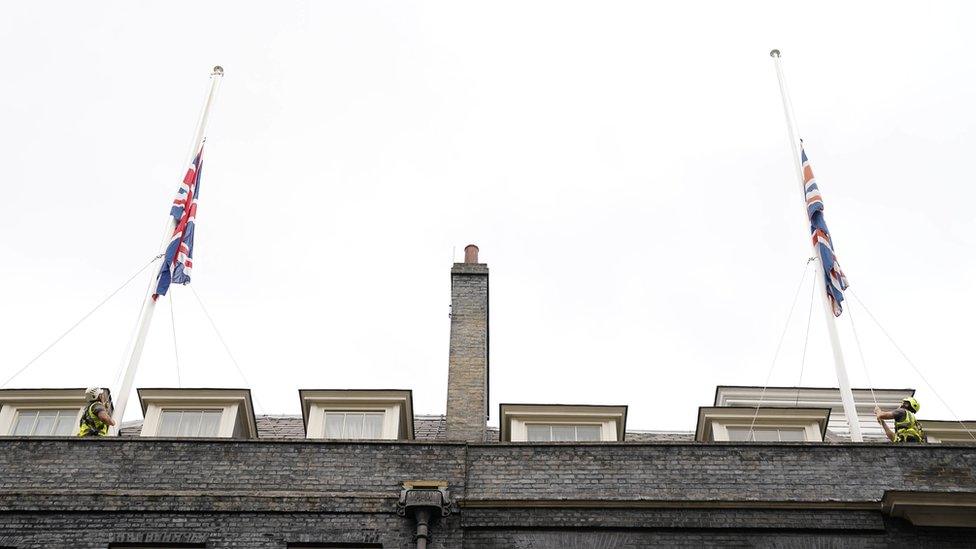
(846, 395)
(149, 304)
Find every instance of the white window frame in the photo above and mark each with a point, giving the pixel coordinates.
(395, 405)
(74, 414)
(13, 400)
(811, 431)
(236, 419)
(223, 410)
(391, 419)
(603, 425)
(520, 432)
(388, 431)
(515, 419)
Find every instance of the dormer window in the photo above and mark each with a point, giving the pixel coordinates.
(358, 414)
(744, 424)
(818, 397)
(562, 423)
(198, 413)
(41, 412)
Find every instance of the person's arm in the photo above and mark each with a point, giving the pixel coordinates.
(888, 432)
(103, 415)
(882, 416)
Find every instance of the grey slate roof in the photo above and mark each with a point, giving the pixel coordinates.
(429, 427)
(660, 436)
(425, 427)
(280, 426)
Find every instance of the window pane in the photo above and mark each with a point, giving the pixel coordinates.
(792, 435)
(537, 433)
(766, 435)
(45, 422)
(210, 423)
(333, 424)
(25, 422)
(66, 423)
(588, 432)
(738, 434)
(354, 425)
(190, 425)
(563, 433)
(169, 423)
(374, 426)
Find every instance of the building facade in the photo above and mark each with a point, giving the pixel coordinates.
(360, 469)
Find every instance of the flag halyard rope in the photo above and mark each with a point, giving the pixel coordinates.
(176, 349)
(779, 345)
(912, 364)
(223, 342)
(860, 352)
(806, 344)
(80, 320)
(117, 379)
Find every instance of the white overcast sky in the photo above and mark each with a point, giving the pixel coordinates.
(622, 165)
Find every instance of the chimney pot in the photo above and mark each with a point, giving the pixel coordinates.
(470, 253)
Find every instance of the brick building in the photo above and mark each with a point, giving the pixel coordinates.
(360, 469)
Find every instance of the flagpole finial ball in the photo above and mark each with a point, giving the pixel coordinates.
(774, 53)
(218, 70)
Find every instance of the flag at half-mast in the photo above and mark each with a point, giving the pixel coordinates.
(834, 278)
(178, 261)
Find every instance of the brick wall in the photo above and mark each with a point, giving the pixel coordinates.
(86, 493)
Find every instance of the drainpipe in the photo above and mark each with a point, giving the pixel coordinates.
(424, 505)
(422, 516)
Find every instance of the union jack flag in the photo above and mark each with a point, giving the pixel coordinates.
(834, 278)
(178, 261)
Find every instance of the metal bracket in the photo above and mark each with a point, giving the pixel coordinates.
(431, 498)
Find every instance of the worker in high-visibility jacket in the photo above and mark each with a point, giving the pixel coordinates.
(95, 420)
(907, 428)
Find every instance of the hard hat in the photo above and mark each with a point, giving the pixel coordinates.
(911, 402)
(92, 393)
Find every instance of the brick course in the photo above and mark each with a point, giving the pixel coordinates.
(897, 534)
(715, 472)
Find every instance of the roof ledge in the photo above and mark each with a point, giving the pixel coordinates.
(952, 509)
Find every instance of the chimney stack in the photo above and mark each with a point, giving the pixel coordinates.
(467, 377)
